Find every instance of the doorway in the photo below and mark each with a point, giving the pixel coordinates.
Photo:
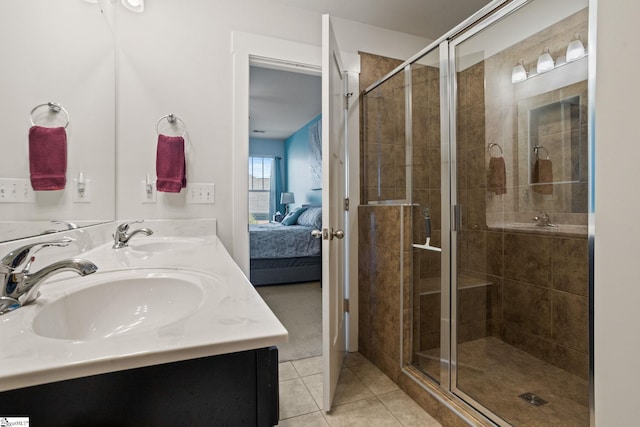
(284, 113)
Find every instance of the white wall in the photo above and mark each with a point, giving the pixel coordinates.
(617, 283)
(176, 57)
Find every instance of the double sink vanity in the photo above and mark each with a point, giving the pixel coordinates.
(168, 330)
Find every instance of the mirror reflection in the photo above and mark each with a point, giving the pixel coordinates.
(61, 54)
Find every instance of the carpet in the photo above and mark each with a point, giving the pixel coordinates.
(299, 309)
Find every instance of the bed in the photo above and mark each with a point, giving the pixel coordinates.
(285, 252)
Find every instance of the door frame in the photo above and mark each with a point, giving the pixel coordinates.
(247, 48)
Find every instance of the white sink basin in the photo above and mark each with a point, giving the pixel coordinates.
(116, 303)
(165, 244)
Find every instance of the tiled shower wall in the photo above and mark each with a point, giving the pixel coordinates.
(383, 136)
(534, 293)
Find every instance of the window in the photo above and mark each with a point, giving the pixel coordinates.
(259, 188)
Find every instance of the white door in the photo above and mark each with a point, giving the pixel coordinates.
(333, 213)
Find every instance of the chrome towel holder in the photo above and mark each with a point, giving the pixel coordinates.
(172, 119)
(537, 148)
(495, 144)
(54, 107)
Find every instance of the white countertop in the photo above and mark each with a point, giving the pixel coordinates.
(232, 317)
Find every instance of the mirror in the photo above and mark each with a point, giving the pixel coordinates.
(60, 52)
(552, 149)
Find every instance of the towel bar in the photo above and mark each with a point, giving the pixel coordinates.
(495, 144)
(536, 149)
(54, 107)
(172, 119)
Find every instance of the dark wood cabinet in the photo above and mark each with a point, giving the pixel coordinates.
(235, 389)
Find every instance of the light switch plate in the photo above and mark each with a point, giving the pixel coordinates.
(201, 193)
(16, 190)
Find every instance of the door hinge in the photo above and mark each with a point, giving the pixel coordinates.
(346, 204)
(346, 305)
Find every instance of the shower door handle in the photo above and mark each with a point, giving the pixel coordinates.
(456, 218)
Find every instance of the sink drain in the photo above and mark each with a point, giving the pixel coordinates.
(533, 399)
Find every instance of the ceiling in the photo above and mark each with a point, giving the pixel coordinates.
(281, 102)
(424, 18)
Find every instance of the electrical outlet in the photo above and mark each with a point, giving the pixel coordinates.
(201, 193)
(148, 196)
(82, 194)
(16, 190)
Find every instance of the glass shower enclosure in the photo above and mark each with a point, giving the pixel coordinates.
(484, 139)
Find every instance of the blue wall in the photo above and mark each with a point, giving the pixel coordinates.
(266, 148)
(297, 169)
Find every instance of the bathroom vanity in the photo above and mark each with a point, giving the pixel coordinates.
(167, 332)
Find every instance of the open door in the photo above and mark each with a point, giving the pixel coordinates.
(333, 211)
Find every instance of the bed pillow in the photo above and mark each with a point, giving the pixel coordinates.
(312, 217)
(292, 217)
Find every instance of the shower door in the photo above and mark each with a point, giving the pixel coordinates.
(519, 291)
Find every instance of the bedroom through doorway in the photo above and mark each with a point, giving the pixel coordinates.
(284, 193)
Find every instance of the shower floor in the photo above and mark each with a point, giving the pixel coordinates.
(495, 374)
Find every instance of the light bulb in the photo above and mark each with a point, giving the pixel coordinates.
(545, 61)
(575, 50)
(134, 5)
(519, 73)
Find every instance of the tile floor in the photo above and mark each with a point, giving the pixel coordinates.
(496, 374)
(364, 397)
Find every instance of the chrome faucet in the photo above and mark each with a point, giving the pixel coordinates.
(122, 236)
(20, 285)
(543, 220)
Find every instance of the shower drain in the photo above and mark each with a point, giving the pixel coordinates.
(532, 399)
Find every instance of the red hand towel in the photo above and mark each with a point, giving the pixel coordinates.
(170, 164)
(497, 176)
(47, 158)
(543, 176)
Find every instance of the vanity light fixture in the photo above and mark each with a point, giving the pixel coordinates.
(134, 5)
(519, 73)
(575, 50)
(545, 61)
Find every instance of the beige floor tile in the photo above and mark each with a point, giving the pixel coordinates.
(295, 399)
(407, 411)
(350, 388)
(286, 371)
(353, 359)
(363, 413)
(314, 419)
(374, 378)
(315, 387)
(310, 366)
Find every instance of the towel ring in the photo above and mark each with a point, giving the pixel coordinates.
(495, 144)
(54, 107)
(536, 149)
(172, 119)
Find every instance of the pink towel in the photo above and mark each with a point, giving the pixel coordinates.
(543, 176)
(497, 176)
(47, 158)
(170, 164)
